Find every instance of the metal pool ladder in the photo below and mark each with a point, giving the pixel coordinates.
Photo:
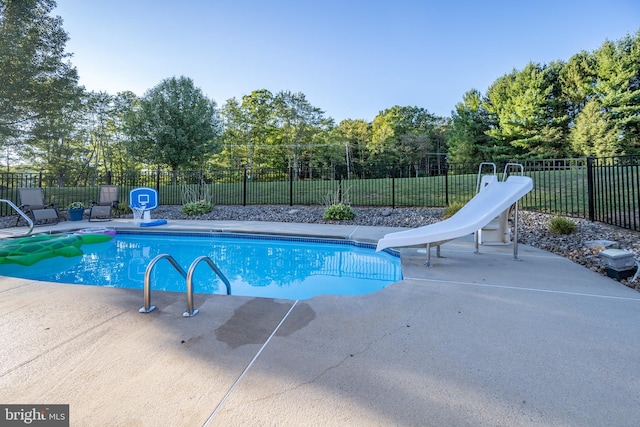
(187, 275)
(22, 214)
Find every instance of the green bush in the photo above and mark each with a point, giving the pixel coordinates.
(560, 225)
(200, 207)
(338, 212)
(450, 210)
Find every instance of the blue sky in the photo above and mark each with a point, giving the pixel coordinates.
(351, 58)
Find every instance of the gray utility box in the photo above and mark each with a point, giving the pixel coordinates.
(618, 259)
(619, 264)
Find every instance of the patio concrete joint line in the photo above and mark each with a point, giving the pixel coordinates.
(518, 288)
(353, 232)
(246, 369)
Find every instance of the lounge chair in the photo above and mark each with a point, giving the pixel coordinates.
(107, 202)
(32, 203)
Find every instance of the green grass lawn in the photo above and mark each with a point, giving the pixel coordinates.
(562, 191)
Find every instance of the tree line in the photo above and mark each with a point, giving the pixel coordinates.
(586, 106)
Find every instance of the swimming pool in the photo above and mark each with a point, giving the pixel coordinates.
(261, 266)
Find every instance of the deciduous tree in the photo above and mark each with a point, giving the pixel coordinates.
(249, 128)
(174, 125)
(405, 135)
(298, 122)
(356, 134)
(37, 79)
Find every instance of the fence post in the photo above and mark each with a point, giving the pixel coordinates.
(446, 188)
(590, 189)
(393, 187)
(244, 188)
(158, 183)
(290, 186)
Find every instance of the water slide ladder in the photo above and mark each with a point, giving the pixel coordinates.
(188, 275)
(497, 231)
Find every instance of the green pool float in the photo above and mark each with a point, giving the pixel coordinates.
(29, 250)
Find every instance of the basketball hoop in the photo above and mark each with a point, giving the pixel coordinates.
(142, 201)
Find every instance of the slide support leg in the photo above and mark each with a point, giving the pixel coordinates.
(515, 233)
(476, 236)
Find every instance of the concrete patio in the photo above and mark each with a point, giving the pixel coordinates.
(477, 340)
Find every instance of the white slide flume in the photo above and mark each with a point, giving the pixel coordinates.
(477, 213)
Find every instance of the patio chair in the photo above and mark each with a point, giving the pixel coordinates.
(32, 203)
(107, 202)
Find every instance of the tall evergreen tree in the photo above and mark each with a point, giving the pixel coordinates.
(618, 70)
(524, 111)
(593, 134)
(577, 81)
(467, 137)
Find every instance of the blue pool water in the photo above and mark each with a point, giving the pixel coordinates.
(289, 268)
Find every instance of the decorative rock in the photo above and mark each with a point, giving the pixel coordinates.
(601, 245)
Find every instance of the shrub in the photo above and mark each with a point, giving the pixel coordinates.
(338, 212)
(560, 225)
(200, 207)
(450, 210)
(122, 209)
(337, 207)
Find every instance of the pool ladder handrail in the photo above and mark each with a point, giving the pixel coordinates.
(480, 174)
(21, 213)
(188, 277)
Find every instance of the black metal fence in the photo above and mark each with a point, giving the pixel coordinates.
(599, 189)
(613, 195)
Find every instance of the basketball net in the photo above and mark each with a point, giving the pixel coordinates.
(138, 212)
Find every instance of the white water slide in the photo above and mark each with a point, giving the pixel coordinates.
(487, 204)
